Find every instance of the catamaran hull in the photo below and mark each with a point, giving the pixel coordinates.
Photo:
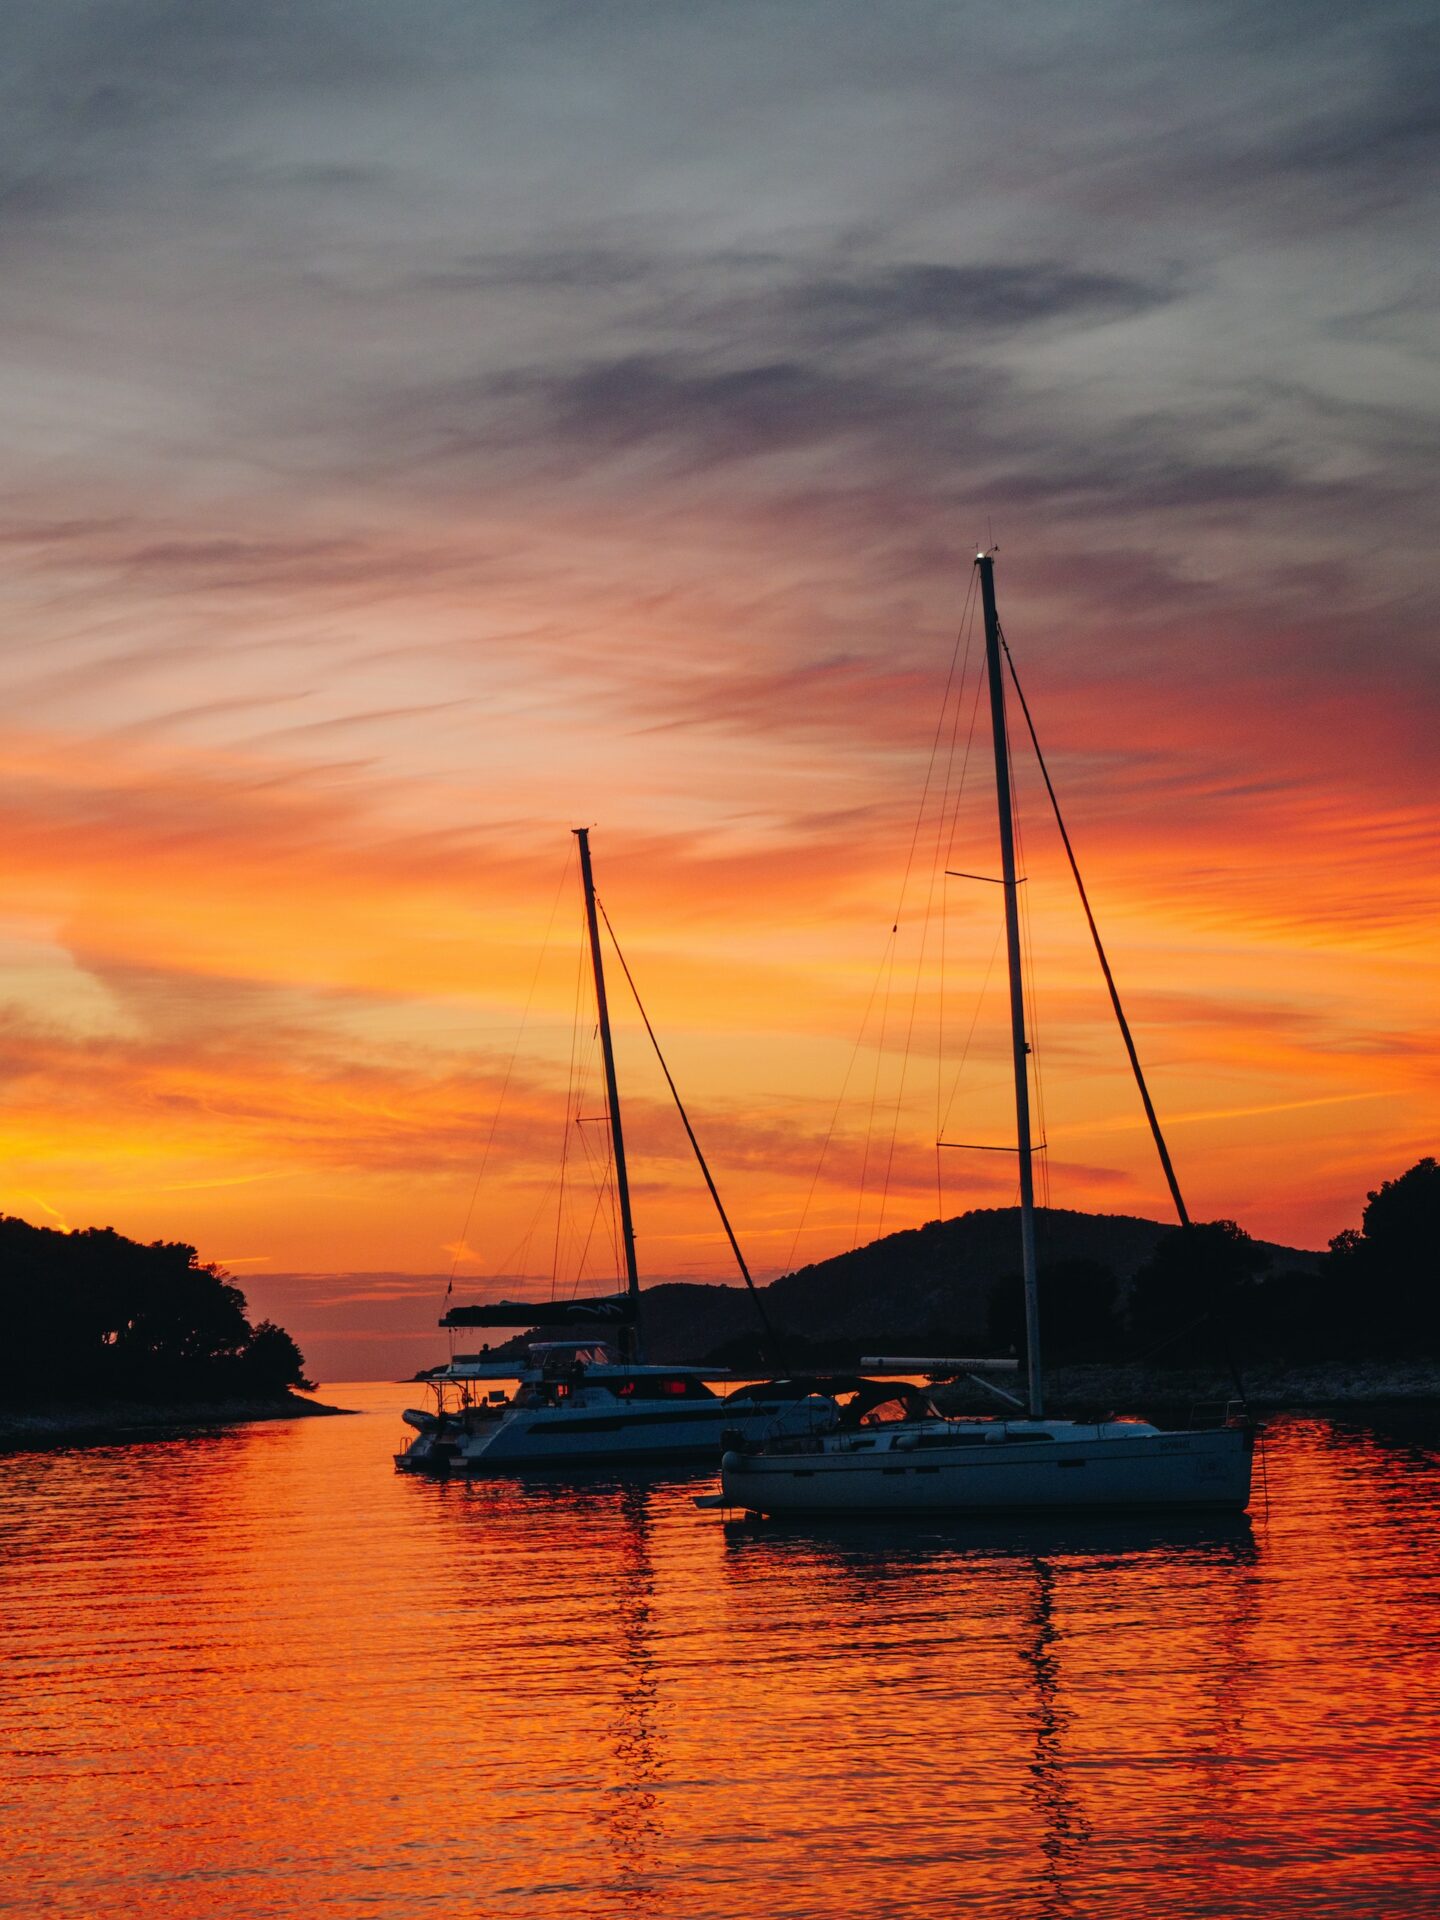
(1200, 1471)
(526, 1438)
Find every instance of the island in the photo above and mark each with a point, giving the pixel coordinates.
(1134, 1313)
(104, 1334)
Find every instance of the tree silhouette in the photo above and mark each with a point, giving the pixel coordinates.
(1193, 1291)
(91, 1312)
(272, 1362)
(1391, 1265)
(1077, 1310)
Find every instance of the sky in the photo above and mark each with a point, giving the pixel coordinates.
(429, 430)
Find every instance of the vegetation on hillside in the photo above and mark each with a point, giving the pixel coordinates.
(1119, 1289)
(1078, 1310)
(1208, 1291)
(91, 1314)
(1389, 1270)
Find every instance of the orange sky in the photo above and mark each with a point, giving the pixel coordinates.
(378, 505)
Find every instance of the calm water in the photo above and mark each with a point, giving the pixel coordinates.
(256, 1673)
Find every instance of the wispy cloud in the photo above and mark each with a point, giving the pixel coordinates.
(427, 434)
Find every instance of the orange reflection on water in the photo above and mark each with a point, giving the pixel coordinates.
(257, 1673)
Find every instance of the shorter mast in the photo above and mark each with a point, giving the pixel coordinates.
(622, 1183)
(1020, 1047)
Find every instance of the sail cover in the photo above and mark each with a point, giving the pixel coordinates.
(611, 1310)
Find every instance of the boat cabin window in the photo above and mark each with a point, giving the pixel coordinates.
(657, 1386)
(877, 1404)
(882, 1415)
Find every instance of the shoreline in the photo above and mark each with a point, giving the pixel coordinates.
(50, 1422)
(1085, 1390)
(1331, 1387)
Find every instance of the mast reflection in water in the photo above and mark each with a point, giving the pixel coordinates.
(257, 1673)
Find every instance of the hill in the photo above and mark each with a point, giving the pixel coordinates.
(915, 1288)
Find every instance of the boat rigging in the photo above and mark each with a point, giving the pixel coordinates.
(587, 1400)
(895, 1452)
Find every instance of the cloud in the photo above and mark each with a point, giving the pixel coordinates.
(1365, 150)
(586, 415)
(980, 298)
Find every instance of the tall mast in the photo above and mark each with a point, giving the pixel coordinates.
(1020, 1047)
(622, 1184)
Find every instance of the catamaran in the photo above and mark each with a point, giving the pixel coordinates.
(590, 1400)
(868, 1447)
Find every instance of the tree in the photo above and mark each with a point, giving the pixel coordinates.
(1077, 1309)
(1391, 1266)
(1194, 1290)
(91, 1312)
(272, 1362)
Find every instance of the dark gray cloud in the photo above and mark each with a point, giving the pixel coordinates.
(116, 59)
(705, 414)
(847, 285)
(825, 300)
(573, 271)
(1371, 135)
(1146, 466)
(946, 428)
(983, 298)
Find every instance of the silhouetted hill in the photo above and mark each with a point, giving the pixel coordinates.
(929, 1281)
(940, 1275)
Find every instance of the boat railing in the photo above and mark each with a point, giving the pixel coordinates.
(774, 1439)
(1216, 1413)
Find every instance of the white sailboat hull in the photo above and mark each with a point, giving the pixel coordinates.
(1091, 1470)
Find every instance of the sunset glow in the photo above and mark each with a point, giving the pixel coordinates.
(378, 509)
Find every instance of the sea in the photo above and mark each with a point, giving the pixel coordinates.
(254, 1672)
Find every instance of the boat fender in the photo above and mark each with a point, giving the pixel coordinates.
(907, 1442)
(732, 1462)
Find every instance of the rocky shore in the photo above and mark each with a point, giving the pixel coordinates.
(43, 1423)
(1175, 1393)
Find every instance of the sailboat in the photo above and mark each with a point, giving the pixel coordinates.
(887, 1450)
(589, 1399)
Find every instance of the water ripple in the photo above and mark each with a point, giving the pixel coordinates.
(257, 1674)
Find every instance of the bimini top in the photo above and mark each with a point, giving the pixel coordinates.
(871, 1401)
(610, 1309)
(537, 1355)
(564, 1360)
